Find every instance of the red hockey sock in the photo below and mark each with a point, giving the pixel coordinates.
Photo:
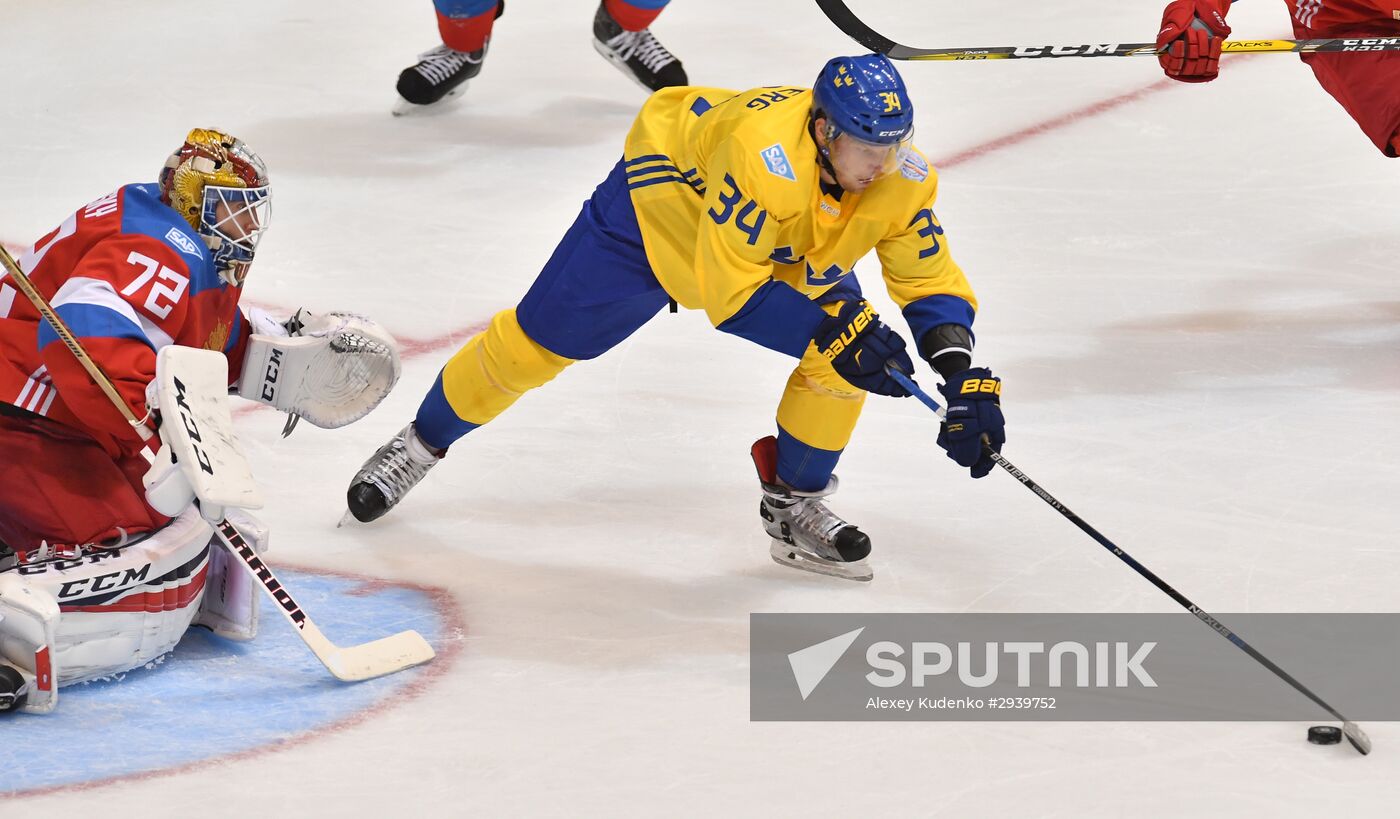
(633, 17)
(466, 33)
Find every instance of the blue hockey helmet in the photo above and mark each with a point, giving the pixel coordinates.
(864, 97)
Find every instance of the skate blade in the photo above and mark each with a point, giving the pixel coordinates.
(785, 554)
(620, 65)
(403, 107)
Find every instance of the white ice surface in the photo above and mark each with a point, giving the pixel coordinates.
(1192, 298)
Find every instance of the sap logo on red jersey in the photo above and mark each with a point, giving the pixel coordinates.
(182, 242)
(112, 581)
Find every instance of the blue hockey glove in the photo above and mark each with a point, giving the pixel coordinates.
(973, 410)
(859, 345)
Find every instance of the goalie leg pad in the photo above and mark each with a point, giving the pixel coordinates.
(117, 609)
(28, 629)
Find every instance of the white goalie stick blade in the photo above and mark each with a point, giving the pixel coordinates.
(351, 663)
(369, 660)
(1356, 737)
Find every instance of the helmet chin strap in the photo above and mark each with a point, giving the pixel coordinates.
(823, 151)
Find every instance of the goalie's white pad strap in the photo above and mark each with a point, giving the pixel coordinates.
(197, 430)
(337, 369)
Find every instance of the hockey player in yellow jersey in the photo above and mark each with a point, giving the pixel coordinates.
(754, 207)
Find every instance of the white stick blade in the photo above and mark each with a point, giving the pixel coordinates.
(384, 656)
(1357, 737)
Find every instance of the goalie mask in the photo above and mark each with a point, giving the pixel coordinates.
(219, 186)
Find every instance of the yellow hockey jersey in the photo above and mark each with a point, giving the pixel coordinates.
(727, 192)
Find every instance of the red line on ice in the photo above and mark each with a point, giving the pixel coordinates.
(1093, 109)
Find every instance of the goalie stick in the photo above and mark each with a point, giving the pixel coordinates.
(348, 663)
(855, 28)
(1353, 732)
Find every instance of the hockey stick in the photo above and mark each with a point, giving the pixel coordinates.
(846, 20)
(1354, 734)
(350, 663)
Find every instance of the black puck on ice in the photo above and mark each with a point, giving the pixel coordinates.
(1324, 735)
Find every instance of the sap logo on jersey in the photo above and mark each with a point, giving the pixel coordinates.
(182, 242)
(776, 159)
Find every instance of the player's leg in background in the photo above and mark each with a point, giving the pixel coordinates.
(622, 34)
(816, 416)
(442, 71)
(595, 291)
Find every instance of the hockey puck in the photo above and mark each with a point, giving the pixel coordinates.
(1324, 735)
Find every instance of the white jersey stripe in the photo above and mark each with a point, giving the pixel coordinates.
(33, 404)
(48, 402)
(81, 290)
(24, 393)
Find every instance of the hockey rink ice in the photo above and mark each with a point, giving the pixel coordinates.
(1191, 293)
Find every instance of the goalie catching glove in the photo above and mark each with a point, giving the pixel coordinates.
(329, 368)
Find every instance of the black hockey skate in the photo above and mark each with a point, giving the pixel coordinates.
(807, 535)
(389, 473)
(637, 54)
(14, 689)
(439, 74)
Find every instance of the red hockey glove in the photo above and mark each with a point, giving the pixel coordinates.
(1192, 33)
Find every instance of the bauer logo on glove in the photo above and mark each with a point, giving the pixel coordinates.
(860, 347)
(973, 414)
(847, 336)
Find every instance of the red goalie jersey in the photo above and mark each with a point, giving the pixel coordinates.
(128, 275)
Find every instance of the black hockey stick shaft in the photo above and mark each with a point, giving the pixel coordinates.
(855, 28)
(1353, 732)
